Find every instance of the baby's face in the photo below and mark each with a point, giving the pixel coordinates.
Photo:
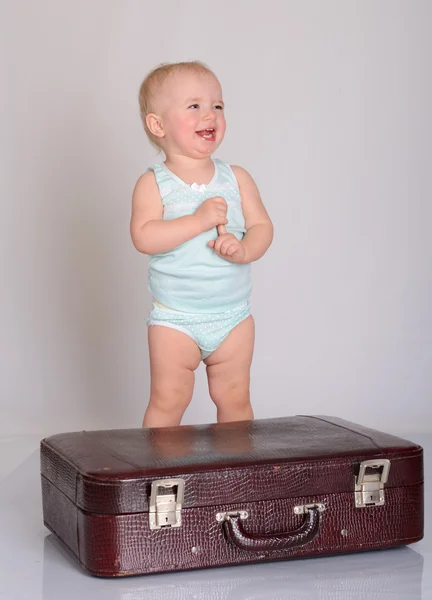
(193, 114)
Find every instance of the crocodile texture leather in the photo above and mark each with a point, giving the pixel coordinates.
(96, 489)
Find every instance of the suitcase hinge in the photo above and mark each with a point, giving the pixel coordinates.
(165, 508)
(369, 487)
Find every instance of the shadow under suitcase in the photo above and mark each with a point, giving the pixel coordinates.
(375, 575)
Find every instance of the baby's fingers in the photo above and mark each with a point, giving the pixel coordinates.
(232, 249)
(221, 242)
(228, 247)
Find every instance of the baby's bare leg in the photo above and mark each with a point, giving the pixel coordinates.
(228, 372)
(173, 359)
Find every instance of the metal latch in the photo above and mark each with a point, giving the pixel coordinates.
(165, 508)
(369, 487)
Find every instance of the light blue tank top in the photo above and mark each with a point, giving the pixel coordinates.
(192, 277)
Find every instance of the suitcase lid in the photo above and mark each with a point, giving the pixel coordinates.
(111, 472)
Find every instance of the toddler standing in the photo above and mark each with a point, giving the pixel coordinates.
(202, 222)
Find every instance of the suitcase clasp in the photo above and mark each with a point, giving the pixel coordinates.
(165, 508)
(369, 487)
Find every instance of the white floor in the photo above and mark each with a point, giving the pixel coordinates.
(34, 567)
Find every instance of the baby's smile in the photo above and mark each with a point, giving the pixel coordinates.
(208, 134)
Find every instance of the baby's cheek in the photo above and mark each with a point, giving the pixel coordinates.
(187, 124)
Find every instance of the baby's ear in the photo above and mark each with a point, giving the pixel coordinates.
(154, 124)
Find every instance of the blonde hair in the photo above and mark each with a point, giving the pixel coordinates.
(152, 86)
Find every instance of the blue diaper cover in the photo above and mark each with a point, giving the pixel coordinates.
(207, 330)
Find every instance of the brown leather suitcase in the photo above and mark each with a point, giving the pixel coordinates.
(139, 501)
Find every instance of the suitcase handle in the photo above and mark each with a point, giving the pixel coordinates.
(234, 531)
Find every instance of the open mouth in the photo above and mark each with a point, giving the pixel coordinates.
(208, 134)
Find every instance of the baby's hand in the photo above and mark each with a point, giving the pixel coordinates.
(212, 213)
(228, 246)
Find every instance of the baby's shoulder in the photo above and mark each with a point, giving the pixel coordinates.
(241, 174)
(229, 170)
(238, 170)
(146, 188)
(154, 177)
(146, 180)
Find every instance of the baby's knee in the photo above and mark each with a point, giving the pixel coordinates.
(234, 393)
(168, 396)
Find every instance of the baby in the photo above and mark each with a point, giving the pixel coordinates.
(202, 222)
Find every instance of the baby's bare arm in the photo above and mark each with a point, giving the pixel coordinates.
(259, 228)
(152, 235)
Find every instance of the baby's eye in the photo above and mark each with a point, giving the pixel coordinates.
(194, 105)
(219, 107)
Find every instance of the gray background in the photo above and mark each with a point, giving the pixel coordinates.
(328, 107)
